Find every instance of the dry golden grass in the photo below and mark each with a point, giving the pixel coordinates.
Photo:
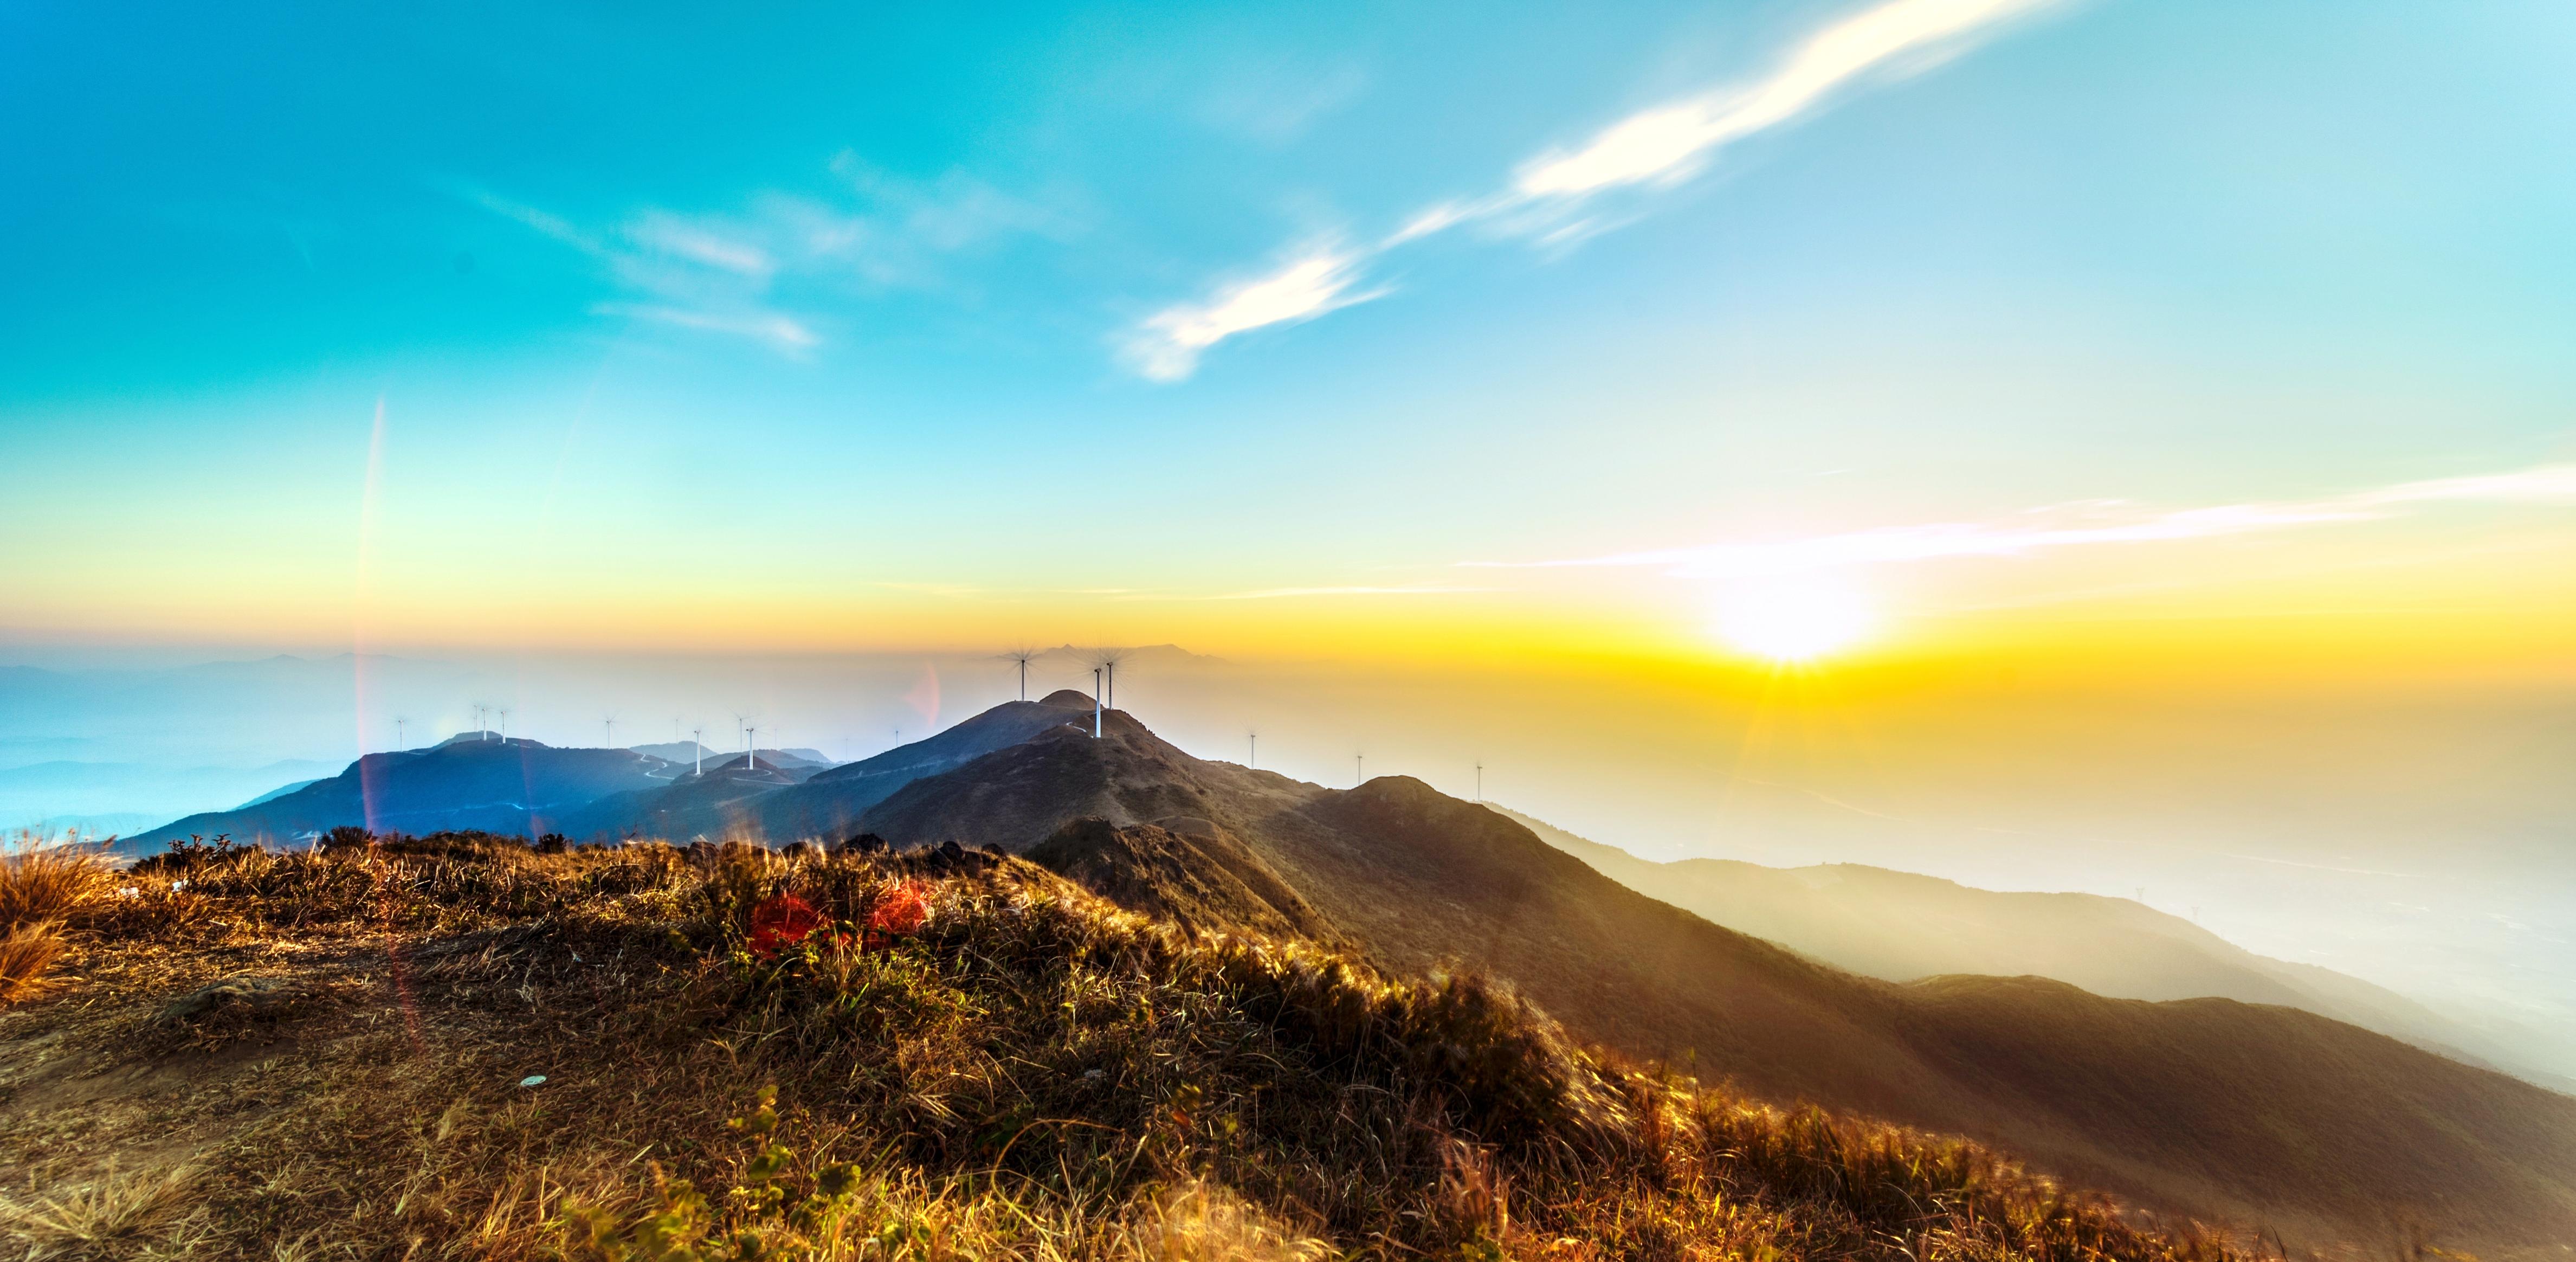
(27, 953)
(1032, 1074)
(41, 882)
(40, 886)
(128, 1213)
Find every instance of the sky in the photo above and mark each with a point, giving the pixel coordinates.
(1285, 329)
(2089, 419)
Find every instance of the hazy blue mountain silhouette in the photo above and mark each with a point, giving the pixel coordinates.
(500, 785)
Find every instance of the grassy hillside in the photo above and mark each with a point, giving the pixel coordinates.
(2377, 1133)
(462, 1048)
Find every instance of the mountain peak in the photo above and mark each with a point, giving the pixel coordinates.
(1067, 699)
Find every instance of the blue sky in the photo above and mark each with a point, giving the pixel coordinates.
(871, 284)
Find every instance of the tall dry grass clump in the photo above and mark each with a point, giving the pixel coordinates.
(48, 882)
(41, 885)
(27, 954)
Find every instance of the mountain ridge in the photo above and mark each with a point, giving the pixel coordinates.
(2212, 1107)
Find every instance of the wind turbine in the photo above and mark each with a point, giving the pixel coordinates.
(398, 727)
(1109, 659)
(505, 725)
(698, 748)
(1254, 739)
(750, 751)
(1023, 656)
(610, 723)
(1480, 783)
(479, 712)
(1095, 703)
(1359, 770)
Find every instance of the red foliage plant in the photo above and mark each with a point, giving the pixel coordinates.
(785, 921)
(900, 909)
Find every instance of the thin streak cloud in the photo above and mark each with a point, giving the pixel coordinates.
(1664, 145)
(2046, 529)
(1168, 345)
(1671, 142)
(1281, 593)
(779, 331)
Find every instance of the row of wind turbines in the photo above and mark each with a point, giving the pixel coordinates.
(484, 714)
(1104, 696)
(1103, 664)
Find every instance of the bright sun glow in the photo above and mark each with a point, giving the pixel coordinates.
(1794, 620)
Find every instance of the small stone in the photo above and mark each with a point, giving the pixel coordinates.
(259, 995)
(533, 1080)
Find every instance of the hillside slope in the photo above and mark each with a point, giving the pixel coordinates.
(460, 1049)
(1420, 881)
(1902, 925)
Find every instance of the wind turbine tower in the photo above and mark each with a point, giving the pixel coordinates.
(505, 725)
(1109, 659)
(1480, 784)
(1253, 760)
(699, 749)
(1023, 656)
(611, 725)
(1359, 770)
(398, 727)
(1095, 703)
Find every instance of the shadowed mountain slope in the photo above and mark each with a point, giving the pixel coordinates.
(2258, 1114)
(1190, 873)
(498, 785)
(717, 802)
(1903, 925)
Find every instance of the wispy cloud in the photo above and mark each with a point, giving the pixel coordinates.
(782, 332)
(1167, 346)
(672, 235)
(2048, 529)
(1282, 593)
(1671, 142)
(724, 273)
(1545, 198)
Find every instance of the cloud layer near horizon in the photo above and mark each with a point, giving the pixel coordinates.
(2046, 529)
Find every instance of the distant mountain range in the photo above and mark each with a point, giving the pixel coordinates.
(2256, 1112)
(117, 797)
(473, 781)
(1902, 926)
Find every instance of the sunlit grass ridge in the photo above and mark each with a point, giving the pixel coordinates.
(1030, 1074)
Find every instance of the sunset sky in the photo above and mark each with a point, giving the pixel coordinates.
(2091, 329)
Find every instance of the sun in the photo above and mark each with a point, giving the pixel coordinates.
(1794, 620)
